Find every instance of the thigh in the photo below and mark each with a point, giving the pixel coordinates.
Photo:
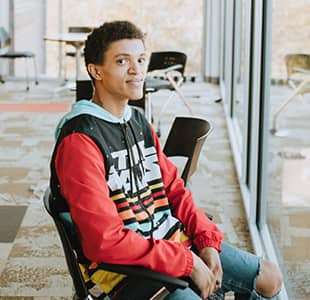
(186, 294)
(240, 269)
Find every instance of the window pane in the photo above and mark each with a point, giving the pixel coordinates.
(288, 211)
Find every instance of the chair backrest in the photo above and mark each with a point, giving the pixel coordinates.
(84, 89)
(70, 243)
(165, 59)
(296, 61)
(79, 29)
(186, 138)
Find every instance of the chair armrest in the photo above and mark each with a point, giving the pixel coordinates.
(166, 70)
(169, 282)
(172, 68)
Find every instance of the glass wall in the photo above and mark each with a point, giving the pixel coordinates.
(269, 128)
(288, 142)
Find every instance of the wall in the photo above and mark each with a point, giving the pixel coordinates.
(28, 33)
(170, 25)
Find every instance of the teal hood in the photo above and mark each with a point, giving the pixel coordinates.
(87, 107)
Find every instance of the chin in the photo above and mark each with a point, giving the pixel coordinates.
(136, 96)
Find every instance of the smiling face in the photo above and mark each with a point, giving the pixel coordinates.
(121, 76)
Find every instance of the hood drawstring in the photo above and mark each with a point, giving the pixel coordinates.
(136, 169)
(125, 134)
(140, 166)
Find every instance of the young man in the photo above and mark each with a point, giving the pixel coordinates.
(124, 195)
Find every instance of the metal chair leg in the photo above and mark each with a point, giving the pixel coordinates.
(27, 74)
(274, 129)
(35, 71)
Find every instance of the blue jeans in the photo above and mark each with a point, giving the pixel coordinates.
(240, 270)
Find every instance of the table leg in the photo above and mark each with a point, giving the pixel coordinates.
(78, 61)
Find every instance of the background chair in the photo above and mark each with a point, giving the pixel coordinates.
(294, 64)
(74, 255)
(165, 72)
(5, 42)
(186, 138)
(298, 78)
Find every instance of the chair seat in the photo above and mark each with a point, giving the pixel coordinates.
(17, 54)
(155, 84)
(72, 53)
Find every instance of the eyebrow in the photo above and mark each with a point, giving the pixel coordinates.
(127, 54)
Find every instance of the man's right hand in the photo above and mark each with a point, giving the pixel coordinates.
(203, 277)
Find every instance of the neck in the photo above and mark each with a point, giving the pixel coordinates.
(116, 108)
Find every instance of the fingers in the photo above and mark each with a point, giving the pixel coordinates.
(207, 276)
(212, 286)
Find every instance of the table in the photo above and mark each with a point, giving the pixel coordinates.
(77, 40)
(298, 90)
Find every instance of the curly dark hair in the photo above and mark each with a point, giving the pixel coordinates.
(100, 39)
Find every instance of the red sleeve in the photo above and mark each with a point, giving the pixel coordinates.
(203, 232)
(81, 173)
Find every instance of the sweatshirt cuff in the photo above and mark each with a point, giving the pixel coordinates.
(202, 242)
(189, 262)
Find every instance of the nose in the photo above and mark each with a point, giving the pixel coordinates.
(135, 68)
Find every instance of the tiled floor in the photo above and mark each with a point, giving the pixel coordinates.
(33, 266)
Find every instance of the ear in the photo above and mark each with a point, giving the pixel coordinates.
(94, 71)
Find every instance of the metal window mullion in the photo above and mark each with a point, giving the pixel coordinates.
(228, 55)
(222, 48)
(247, 78)
(255, 106)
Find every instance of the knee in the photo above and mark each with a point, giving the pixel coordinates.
(269, 280)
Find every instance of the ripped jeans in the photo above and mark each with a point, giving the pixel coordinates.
(240, 270)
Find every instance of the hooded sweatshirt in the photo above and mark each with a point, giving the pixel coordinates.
(124, 195)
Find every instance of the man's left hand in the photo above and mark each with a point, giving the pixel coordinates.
(212, 259)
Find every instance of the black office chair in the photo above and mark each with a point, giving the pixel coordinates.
(185, 139)
(5, 42)
(160, 284)
(84, 90)
(165, 72)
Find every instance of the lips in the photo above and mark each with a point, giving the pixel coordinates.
(135, 82)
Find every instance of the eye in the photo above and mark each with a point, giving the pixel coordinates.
(121, 61)
(141, 60)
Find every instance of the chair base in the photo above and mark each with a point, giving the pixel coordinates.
(36, 82)
(280, 132)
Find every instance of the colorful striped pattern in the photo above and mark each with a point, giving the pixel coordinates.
(133, 209)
